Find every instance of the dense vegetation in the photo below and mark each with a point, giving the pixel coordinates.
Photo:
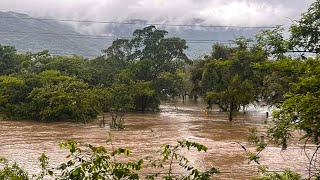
(136, 74)
(133, 74)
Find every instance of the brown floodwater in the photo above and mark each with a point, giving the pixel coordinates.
(24, 141)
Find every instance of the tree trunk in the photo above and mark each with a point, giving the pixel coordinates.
(230, 116)
(143, 103)
(103, 120)
(231, 111)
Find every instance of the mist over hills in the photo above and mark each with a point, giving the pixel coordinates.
(67, 38)
(36, 35)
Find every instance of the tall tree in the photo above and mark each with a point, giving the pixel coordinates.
(305, 33)
(231, 83)
(151, 56)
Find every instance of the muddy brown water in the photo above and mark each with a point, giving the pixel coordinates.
(24, 141)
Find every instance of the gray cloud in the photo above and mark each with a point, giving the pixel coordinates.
(211, 12)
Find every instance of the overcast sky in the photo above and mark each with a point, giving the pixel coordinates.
(213, 12)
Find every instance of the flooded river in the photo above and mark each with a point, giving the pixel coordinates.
(146, 132)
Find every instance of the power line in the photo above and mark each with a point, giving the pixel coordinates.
(55, 53)
(148, 24)
(114, 37)
(59, 34)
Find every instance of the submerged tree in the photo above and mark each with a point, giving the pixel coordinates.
(120, 100)
(150, 56)
(232, 83)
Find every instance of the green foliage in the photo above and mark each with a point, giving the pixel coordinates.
(231, 83)
(47, 96)
(135, 75)
(37, 61)
(151, 57)
(170, 83)
(172, 154)
(298, 110)
(11, 171)
(259, 143)
(13, 92)
(286, 175)
(121, 97)
(278, 77)
(196, 72)
(183, 83)
(103, 71)
(253, 137)
(273, 43)
(86, 161)
(70, 66)
(220, 51)
(300, 107)
(144, 95)
(305, 33)
(45, 170)
(119, 101)
(95, 162)
(9, 60)
(67, 100)
(253, 157)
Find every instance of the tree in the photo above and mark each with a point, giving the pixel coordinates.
(12, 94)
(143, 95)
(183, 83)
(103, 70)
(150, 56)
(293, 85)
(300, 107)
(303, 37)
(231, 83)
(169, 84)
(9, 61)
(120, 100)
(196, 72)
(278, 77)
(273, 43)
(70, 66)
(299, 110)
(61, 98)
(231, 97)
(120, 50)
(305, 33)
(220, 51)
(36, 61)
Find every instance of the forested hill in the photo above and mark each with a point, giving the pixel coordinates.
(34, 35)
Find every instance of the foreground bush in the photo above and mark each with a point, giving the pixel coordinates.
(86, 161)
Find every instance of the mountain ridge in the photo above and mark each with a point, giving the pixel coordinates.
(31, 34)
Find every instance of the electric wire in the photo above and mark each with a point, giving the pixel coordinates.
(135, 23)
